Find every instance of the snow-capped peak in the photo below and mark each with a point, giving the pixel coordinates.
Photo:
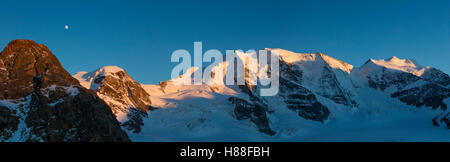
(86, 79)
(395, 63)
(292, 58)
(402, 62)
(109, 69)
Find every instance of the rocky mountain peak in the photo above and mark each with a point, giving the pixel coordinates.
(41, 101)
(395, 63)
(18, 44)
(24, 61)
(126, 97)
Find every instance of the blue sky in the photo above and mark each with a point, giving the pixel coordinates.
(140, 36)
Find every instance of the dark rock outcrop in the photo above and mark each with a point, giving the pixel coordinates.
(429, 95)
(9, 122)
(254, 111)
(387, 78)
(332, 89)
(302, 100)
(442, 119)
(298, 98)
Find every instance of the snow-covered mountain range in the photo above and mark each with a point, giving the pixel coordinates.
(320, 99)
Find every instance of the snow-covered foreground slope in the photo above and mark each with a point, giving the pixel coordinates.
(379, 118)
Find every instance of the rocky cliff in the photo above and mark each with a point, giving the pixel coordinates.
(41, 101)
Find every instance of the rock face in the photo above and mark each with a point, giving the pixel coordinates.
(41, 101)
(303, 101)
(321, 74)
(428, 95)
(254, 111)
(129, 102)
(294, 95)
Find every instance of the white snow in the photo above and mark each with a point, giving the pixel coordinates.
(87, 79)
(110, 69)
(22, 107)
(84, 81)
(337, 64)
(405, 65)
(72, 90)
(186, 77)
(311, 58)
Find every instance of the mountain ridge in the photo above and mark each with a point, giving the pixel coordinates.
(319, 96)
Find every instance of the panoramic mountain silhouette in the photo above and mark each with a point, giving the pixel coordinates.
(320, 98)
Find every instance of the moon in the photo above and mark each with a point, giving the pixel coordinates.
(67, 27)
